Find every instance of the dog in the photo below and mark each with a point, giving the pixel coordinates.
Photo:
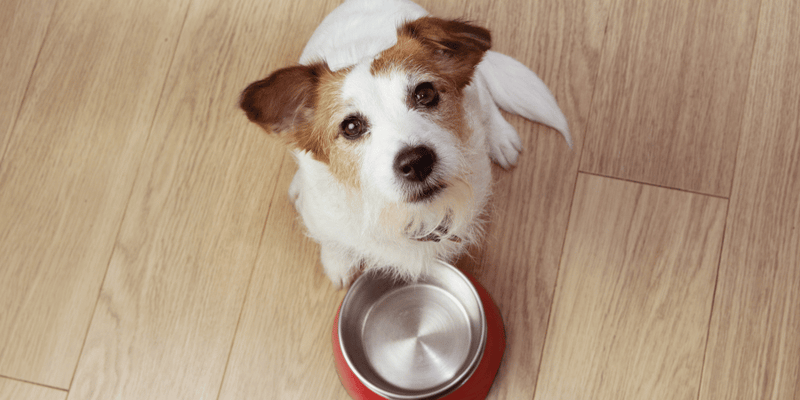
(394, 117)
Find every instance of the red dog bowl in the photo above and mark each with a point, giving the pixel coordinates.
(439, 337)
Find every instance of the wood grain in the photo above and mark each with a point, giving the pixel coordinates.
(13, 390)
(671, 90)
(23, 25)
(634, 293)
(518, 264)
(68, 173)
(177, 281)
(754, 344)
(122, 150)
(283, 346)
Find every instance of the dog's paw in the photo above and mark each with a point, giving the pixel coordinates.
(338, 266)
(504, 142)
(339, 282)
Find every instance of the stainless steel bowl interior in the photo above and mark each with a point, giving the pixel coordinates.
(412, 340)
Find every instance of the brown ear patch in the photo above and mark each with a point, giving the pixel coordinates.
(287, 102)
(454, 46)
(285, 99)
(451, 36)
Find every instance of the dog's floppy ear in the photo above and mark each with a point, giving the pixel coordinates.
(458, 46)
(284, 100)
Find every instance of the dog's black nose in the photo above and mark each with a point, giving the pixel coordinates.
(415, 163)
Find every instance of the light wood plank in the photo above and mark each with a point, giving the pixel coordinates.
(754, 343)
(672, 85)
(68, 172)
(13, 390)
(178, 277)
(634, 293)
(283, 347)
(23, 24)
(518, 261)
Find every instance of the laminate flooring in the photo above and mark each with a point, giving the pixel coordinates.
(148, 248)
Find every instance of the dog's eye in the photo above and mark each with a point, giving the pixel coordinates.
(425, 95)
(353, 127)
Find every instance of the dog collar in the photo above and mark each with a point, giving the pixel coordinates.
(436, 237)
(439, 233)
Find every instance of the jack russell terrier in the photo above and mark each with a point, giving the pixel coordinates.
(394, 118)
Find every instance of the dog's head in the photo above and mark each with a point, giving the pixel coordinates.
(394, 126)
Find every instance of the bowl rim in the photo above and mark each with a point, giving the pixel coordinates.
(457, 381)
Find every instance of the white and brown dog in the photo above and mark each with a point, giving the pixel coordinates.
(393, 118)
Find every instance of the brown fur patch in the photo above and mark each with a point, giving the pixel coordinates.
(303, 104)
(282, 100)
(342, 155)
(448, 48)
(409, 55)
(444, 53)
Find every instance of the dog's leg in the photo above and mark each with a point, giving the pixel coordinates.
(339, 265)
(504, 142)
(502, 138)
(518, 90)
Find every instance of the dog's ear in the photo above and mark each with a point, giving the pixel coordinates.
(457, 46)
(284, 100)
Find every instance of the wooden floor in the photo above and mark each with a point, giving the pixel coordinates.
(148, 249)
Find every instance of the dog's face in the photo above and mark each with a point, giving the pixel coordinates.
(394, 126)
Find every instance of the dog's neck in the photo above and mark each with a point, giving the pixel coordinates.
(438, 233)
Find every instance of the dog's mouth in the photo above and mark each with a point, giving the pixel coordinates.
(425, 192)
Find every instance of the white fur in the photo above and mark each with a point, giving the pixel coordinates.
(372, 226)
(518, 90)
(357, 30)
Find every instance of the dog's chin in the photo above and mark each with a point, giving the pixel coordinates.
(425, 193)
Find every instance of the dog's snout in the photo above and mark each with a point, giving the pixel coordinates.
(415, 163)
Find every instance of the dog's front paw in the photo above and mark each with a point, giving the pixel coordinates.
(504, 142)
(339, 266)
(339, 282)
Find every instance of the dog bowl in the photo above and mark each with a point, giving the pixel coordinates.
(438, 337)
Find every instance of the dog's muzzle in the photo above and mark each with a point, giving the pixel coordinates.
(414, 165)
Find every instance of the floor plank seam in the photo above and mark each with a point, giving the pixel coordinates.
(747, 99)
(585, 132)
(713, 301)
(654, 185)
(250, 280)
(130, 194)
(555, 285)
(34, 383)
(14, 121)
(582, 149)
(627, 302)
